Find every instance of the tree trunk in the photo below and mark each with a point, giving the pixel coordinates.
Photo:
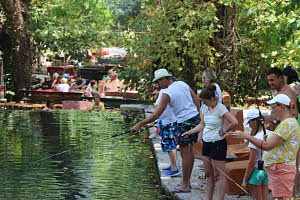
(224, 43)
(15, 44)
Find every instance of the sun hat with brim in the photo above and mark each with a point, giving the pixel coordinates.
(160, 73)
(280, 98)
(252, 114)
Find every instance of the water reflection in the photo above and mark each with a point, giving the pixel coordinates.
(96, 167)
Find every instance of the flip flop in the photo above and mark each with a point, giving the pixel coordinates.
(189, 186)
(180, 191)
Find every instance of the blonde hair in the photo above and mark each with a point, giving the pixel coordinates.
(55, 75)
(209, 75)
(64, 80)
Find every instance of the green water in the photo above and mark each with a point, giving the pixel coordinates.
(93, 166)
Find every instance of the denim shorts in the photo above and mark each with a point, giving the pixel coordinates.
(166, 133)
(184, 127)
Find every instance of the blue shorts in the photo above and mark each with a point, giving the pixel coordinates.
(166, 133)
(184, 127)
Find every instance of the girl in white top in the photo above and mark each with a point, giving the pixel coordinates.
(64, 86)
(167, 127)
(211, 132)
(259, 186)
(168, 116)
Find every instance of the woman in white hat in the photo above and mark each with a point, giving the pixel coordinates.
(186, 106)
(280, 148)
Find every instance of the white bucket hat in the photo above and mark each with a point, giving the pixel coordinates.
(160, 73)
(252, 114)
(280, 98)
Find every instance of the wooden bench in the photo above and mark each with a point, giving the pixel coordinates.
(235, 170)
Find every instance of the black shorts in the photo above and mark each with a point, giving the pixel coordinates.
(215, 150)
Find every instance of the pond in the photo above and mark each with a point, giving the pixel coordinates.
(70, 154)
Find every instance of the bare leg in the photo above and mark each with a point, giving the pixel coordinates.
(219, 177)
(173, 156)
(297, 177)
(264, 191)
(210, 178)
(187, 166)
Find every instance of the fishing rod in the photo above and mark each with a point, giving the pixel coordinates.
(260, 164)
(92, 142)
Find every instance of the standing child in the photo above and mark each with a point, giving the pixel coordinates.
(258, 184)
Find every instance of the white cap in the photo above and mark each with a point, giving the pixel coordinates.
(252, 114)
(160, 73)
(280, 98)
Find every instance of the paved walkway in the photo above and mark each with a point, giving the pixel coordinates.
(197, 178)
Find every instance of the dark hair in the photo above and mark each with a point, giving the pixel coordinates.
(48, 103)
(171, 78)
(276, 71)
(208, 92)
(291, 74)
(93, 82)
(97, 96)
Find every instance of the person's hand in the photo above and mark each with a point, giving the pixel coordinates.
(186, 133)
(239, 134)
(151, 124)
(245, 185)
(135, 128)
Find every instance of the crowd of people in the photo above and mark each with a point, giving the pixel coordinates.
(184, 118)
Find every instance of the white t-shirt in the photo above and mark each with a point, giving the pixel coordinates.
(214, 122)
(63, 87)
(181, 101)
(219, 93)
(260, 136)
(168, 115)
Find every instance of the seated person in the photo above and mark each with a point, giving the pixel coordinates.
(49, 106)
(80, 83)
(64, 86)
(97, 104)
(56, 82)
(91, 90)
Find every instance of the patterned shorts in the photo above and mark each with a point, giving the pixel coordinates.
(184, 127)
(166, 133)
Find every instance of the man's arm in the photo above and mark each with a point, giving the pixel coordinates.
(195, 100)
(165, 99)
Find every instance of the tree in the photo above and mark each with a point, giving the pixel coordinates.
(68, 26)
(239, 39)
(15, 42)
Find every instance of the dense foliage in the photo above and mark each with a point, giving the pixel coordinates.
(188, 36)
(240, 39)
(68, 26)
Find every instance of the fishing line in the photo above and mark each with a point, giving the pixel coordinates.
(112, 146)
(92, 142)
